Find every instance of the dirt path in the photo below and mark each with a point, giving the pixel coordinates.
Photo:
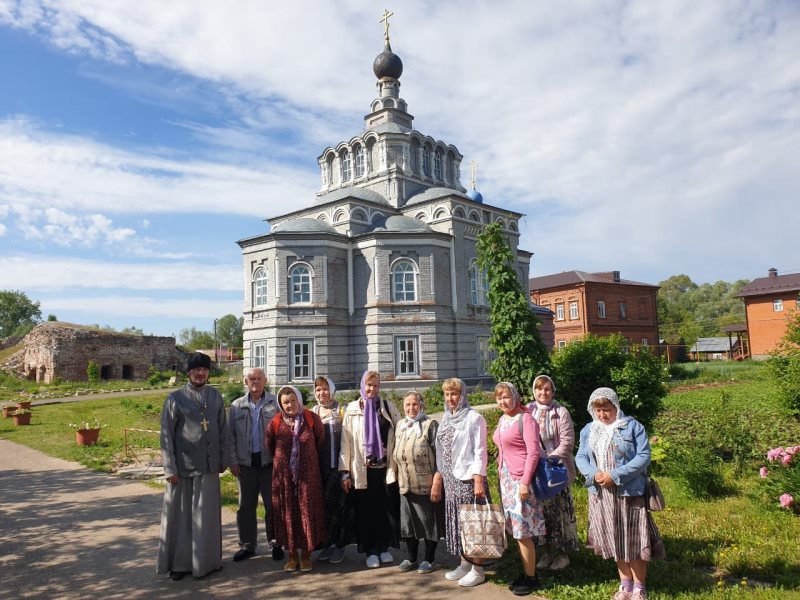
(66, 532)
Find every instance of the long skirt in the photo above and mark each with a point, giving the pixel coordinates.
(378, 508)
(524, 518)
(421, 519)
(340, 510)
(191, 527)
(620, 527)
(560, 522)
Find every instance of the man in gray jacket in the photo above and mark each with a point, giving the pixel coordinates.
(248, 419)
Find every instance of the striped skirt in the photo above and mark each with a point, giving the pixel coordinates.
(620, 527)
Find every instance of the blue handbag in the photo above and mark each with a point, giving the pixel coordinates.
(551, 477)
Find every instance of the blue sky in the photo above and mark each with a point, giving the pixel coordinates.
(140, 140)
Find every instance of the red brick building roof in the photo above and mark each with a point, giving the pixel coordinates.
(771, 284)
(576, 277)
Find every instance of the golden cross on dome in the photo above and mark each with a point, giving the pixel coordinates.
(473, 172)
(385, 20)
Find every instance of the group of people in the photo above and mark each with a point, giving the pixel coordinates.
(363, 473)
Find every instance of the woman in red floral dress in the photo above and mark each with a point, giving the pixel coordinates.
(295, 437)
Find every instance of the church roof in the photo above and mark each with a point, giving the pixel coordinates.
(304, 225)
(403, 223)
(359, 193)
(434, 193)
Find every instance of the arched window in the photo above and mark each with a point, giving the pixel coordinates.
(260, 287)
(358, 215)
(339, 215)
(361, 161)
(347, 167)
(478, 284)
(426, 161)
(458, 212)
(404, 281)
(440, 213)
(300, 284)
(437, 165)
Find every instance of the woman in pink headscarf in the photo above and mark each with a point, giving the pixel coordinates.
(368, 470)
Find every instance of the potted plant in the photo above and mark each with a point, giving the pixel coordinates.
(86, 432)
(24, 404)
(8, 410)
(21, 416)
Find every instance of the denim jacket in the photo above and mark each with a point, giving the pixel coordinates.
(631, 454)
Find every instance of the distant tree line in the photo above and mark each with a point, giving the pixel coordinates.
(687, 311)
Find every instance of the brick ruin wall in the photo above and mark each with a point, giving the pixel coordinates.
(64, 352)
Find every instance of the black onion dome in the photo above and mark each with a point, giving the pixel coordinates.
(387, 64)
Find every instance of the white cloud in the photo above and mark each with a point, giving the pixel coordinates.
(647, 134)
(136, 307)
(46, 274)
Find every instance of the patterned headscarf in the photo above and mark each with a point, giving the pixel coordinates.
(600, 434)
(373, 445)
(456, 419)
(515, 397)
(297, 423)
(408, 422)
(541, 412)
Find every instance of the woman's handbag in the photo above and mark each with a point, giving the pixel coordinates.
(654, 499)
(483, 531)
(550, 478)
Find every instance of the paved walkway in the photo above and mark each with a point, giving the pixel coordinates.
(67, 532)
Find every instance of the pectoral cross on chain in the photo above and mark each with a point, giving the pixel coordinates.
(204, 423)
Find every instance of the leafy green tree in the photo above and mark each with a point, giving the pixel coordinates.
(784, 365)
(192, 339)
(515, 337)
(229, 331)
(636, 375)
(52, 317)
(93, 372)
(18, 314)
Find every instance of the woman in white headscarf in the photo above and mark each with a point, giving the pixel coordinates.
(415, 454)
(558, 440)
(339, 509)
(614, 454)
(461, 457)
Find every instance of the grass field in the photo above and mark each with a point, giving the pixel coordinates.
(729, 547)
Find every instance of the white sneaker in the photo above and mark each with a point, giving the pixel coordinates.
(373, 562)
(472, 579)
(386, 557)
(457, 573)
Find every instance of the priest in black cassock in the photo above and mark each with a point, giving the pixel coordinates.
(196, 449)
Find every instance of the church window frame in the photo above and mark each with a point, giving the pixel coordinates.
(340, 215)
(404, 280)
(440, 213)
(475, 216)
(258, 354)
(459, 212)
(426, 161)
(437, 165)
(301, 360)
(478, 284)
(347, 166)
(260, 287)
(406, 355)
(359, 214)
(573, 310)
(361, 161)
(300, 277)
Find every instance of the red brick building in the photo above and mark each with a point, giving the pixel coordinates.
(598, 303)
(768, 303)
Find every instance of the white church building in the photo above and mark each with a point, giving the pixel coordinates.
(379, 271)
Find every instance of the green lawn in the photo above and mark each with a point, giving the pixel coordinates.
(731, 547)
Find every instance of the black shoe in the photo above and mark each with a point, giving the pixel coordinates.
(526, 586)
(277, 552)
(243, 554)
(517, 581)
(178, 575)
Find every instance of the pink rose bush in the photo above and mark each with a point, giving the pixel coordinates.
(782, 479)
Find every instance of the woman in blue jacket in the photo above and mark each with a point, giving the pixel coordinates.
(614, 454)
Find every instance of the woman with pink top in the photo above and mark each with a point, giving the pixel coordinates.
(558, 440)
(517, 440)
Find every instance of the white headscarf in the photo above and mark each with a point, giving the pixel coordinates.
(600, 434)
(541, 412)
(332, 390)
(409, 422)
(456, 419)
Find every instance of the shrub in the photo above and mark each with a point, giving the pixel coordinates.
(93, 372)
(231, 391)
(433, 397)
(637, 377)
(780, 478)
(154, 376)
(784, 366)
(700, 470)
